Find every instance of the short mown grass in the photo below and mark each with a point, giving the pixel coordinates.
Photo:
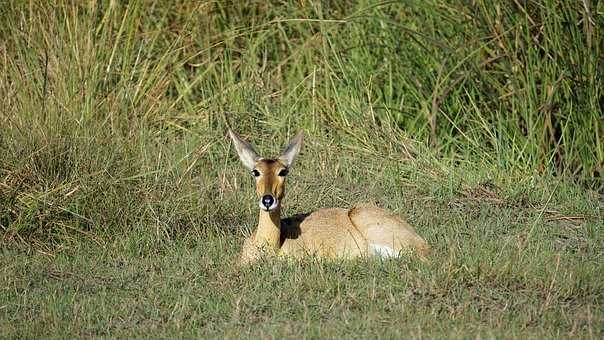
(123, 205)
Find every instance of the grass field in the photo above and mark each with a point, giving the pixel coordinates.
(123, 205)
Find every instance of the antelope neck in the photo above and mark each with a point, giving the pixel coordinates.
(269, 229)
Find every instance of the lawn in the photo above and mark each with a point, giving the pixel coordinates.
(123, 205)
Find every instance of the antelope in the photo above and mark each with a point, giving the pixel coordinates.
(332, 233)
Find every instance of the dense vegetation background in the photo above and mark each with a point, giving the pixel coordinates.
(482, 122)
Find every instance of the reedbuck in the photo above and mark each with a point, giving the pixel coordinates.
(326, 233)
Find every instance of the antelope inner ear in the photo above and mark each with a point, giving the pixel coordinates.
(246, 153)
(292, 150)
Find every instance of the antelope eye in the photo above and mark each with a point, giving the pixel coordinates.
(283, 172)
(256, 173)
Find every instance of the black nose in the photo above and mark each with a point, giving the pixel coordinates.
(267, 201)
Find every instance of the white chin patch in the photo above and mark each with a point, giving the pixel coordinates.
(271, 208)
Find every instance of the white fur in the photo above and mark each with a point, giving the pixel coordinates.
(272, 207)
(383, 251)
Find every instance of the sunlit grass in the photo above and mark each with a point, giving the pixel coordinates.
(123, 206)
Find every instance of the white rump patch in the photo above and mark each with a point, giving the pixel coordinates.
(383, 251)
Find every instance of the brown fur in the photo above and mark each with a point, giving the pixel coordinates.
(327, 233)
(269, 183)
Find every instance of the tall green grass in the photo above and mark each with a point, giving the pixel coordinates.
(123, 206)
(109, 104)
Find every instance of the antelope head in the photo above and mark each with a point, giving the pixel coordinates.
(269, 173)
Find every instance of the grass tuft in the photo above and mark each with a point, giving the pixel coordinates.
(123, 205)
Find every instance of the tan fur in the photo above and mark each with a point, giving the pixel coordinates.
(269, 182)
(364, 230)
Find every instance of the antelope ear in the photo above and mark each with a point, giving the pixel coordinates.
(292, 150)
(246, 153)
